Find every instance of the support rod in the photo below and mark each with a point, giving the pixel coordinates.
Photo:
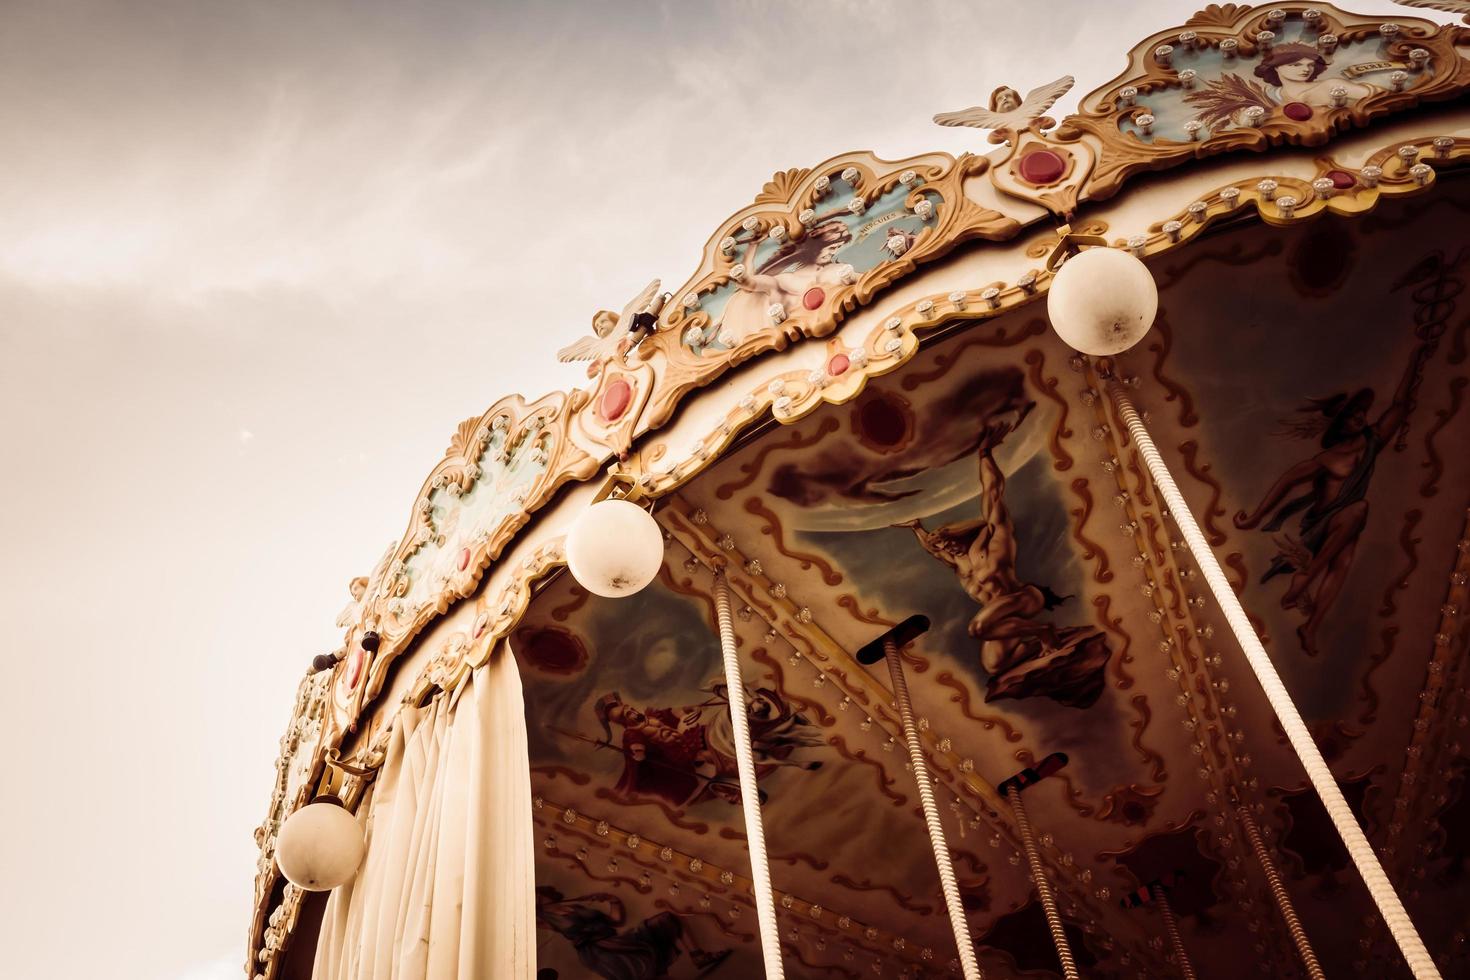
(750, 801)
(1171, 929)
(1043, 884)
(1278, 893)
(1358, 848)
(968, 966)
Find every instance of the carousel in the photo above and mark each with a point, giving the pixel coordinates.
(1043, 562)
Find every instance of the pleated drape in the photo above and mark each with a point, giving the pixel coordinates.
(447, 888)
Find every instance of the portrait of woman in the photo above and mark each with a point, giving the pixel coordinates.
(1294, 73)
(1291, 73)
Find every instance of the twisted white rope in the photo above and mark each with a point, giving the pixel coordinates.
(1326, 786)
(1043, 884)
(947, 882)
(750, 800)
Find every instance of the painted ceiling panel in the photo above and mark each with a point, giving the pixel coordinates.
(1306, 384)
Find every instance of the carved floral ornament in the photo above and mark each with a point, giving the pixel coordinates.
(498, 469)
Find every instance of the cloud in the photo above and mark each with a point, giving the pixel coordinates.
(225, 967)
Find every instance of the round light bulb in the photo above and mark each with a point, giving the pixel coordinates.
(1102, 301)
(614, 548)
(320, 846)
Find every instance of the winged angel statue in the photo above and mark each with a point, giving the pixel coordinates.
(1461, 7)
(1007, 114)
(617, 333)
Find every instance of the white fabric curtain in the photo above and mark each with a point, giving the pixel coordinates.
(447, 888)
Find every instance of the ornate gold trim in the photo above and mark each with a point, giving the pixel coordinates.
(663, 370)
(408, 591)
(957, 219)
(1122, 154)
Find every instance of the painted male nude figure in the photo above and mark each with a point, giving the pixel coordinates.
(1024, 656)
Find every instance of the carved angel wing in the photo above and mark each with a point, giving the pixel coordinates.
(599, 348)
(591, 348)
(1461, 7)
(978, 116)
(1043, 97)
(1037, 101)
(639, 304)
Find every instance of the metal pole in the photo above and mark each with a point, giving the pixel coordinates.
(1171, 929)
(1382, 890)
(1278, 892)
(1043, 885)
(750, 801)
(947, 883)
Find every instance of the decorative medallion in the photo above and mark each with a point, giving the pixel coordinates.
(615, 400)
(1043, 167)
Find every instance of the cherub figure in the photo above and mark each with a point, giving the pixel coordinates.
(617, 333)
(1461, 7)
(1007, 115)
(363, 587)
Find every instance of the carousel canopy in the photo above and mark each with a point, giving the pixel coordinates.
(854, 414)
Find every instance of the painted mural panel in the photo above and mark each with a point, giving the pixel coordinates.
(629, 722)
(1307, 385)
(842, 241)
(1292, 79)
(509, 466)
(1314, 411)
(1340, 430)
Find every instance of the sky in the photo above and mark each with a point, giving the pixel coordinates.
(257, 260)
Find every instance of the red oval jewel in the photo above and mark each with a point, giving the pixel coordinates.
(813, 298)
(1341, 179)
(354, 667)
(838, 364)
(464, 559)
(1042, 167)
(1297, 110)
(615, 400)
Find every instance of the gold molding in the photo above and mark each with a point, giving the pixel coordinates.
(734, 887)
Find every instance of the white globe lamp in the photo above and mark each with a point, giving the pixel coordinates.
(1102, 301)
(320, 846)
(614, 548)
